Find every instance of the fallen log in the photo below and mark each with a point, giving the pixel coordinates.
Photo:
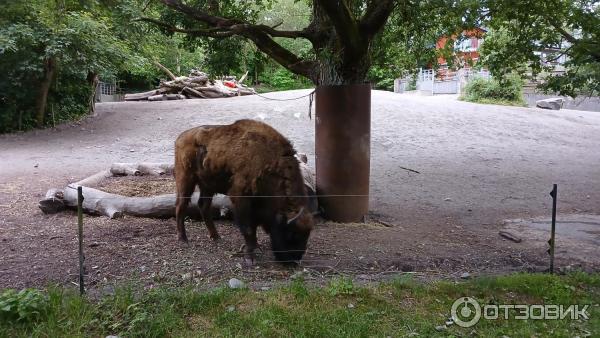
(193, 93)
(200, 79)
(143, 168)
(53, 202)
(141, 96)
(245, 91)
(166, 97)
(97, 202)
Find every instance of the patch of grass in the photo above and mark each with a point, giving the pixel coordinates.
(495, 101)
(340, 309)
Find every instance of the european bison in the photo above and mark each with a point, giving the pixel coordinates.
(255, 166)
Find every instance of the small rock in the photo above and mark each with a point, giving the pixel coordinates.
(465, 275)
(112, 336)
(230, 308)
(441, 328)
(160, 118)
(131, 150)
(265, 288)
(413, 334)
(449, 322)
(235, 283)
(142, 268)
(186, 276)
(351, 306)
(448, 199)
(555, 103)
(37, 165)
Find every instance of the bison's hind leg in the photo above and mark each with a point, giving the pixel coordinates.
(185, 188)
(204, 203)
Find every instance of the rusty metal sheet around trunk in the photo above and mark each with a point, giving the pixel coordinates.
(343, 144)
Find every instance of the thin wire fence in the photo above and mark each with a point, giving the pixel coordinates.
(230, 196)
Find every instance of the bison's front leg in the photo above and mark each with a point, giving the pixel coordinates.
(244, 221)
(185, 188)
(205, 203)
(251, 243)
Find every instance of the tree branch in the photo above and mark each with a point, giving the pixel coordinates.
(281, 55)
(261, 35)
(573, 40)
(209, 32)
(376, 16)
(211, 20)
(343, 21)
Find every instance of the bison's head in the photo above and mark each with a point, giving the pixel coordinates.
(290, 235)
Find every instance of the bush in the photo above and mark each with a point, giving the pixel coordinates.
(505, 91)
(282, 79)
(381, 78)
(24, 305)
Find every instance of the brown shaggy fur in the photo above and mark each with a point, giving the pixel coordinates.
(246, 158)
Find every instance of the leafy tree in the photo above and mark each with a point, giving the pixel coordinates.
(52, 53)
(328, 42)
(523, 31)
(48, 47)
(340, 33)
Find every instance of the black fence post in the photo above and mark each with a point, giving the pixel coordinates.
(80, 237)
(554, 194)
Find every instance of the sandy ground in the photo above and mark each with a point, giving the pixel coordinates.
(479, 166)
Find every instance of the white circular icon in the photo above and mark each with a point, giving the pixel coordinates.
(465, 312)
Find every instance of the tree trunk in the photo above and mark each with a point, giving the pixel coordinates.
(342, 126)
(42, 97)
(93, 81)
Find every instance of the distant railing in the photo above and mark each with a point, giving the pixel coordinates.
(108, 92)
(442, 81)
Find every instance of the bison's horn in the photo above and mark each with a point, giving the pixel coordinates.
(296, 217)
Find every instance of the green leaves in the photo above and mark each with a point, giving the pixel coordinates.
(24, 305)
(532, 36)
(505, 91)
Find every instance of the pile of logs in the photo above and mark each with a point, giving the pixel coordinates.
(195, 86)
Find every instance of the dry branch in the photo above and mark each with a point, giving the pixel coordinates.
(164, 69)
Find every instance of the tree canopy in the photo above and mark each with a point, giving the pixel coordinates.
(527, 36)
(51, 49)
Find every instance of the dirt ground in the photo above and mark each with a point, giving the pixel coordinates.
(480, 165)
